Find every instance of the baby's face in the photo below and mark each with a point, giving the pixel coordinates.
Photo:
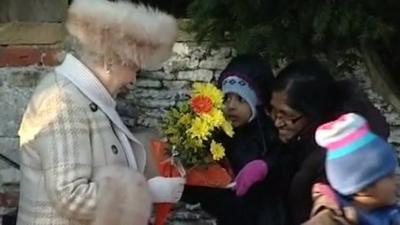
(384, 191)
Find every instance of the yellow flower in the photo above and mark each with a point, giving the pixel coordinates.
(215, 118)
(200, 129)
(189, 126)
(227, 128)
(217, 150)
(210, 90)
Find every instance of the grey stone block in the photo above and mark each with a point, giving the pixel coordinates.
(14, 102)
(156, 75)
(221, 53)
(24, 78)
(9, 147)
(139, 94)
(148, 83)
(211, 63)
(181, 49)
(176, 85)
(152, 103)
(196, 75)
(176, 63)
(147, 121)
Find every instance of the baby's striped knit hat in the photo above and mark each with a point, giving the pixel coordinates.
(356, 157)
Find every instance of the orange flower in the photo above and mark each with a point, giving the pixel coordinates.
(201, 104)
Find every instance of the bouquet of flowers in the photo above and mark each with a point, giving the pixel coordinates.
(189, 127)
(190, 149)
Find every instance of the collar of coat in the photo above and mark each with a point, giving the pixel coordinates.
(93, 89)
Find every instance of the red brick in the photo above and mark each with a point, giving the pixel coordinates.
(14, 56)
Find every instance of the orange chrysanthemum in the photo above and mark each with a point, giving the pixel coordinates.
(201, 104)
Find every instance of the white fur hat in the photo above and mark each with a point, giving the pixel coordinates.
(132, 33)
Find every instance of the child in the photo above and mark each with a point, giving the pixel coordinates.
(360, 167)
(252, 152)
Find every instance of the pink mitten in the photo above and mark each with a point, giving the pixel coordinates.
(250, 174)
(326, 191)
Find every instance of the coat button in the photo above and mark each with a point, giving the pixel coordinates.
(93, 107)
(114, 149)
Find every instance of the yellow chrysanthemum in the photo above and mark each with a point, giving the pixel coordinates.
(200, 129)
(217, 150)
(215, 118)
(211, 91)
(227, 128)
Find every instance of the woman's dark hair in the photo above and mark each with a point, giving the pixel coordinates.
(255, 70)
(311, 89)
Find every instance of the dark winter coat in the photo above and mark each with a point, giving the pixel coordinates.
(264, 202)
(307, 160)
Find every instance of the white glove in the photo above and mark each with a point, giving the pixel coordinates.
(166, 189)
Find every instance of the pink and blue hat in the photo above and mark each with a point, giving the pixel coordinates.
(356, 157)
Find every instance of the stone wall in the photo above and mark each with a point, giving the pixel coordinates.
(157, 91)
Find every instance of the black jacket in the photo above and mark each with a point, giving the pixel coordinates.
(264, 203)
(305, 160)
(259, 140)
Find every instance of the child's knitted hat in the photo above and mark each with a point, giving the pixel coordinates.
(234, 84)
(356, 157)
(250, 77)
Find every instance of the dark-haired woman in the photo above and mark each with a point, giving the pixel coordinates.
(304, 96)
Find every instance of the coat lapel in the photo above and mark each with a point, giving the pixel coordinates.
(92, 88)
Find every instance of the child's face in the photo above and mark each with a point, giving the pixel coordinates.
(385, 190)
(380, 194)
(236, 110)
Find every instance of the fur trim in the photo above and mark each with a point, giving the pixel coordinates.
(133, 33)
(124, 197)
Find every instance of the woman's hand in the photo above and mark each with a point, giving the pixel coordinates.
(166, 189)
(253, 172)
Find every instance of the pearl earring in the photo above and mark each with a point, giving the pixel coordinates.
(107, 67)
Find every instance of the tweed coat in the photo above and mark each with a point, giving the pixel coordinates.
(65, 140)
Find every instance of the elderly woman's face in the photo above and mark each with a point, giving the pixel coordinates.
(288, 121)
(126, 75)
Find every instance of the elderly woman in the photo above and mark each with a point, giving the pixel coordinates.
(80, 164)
